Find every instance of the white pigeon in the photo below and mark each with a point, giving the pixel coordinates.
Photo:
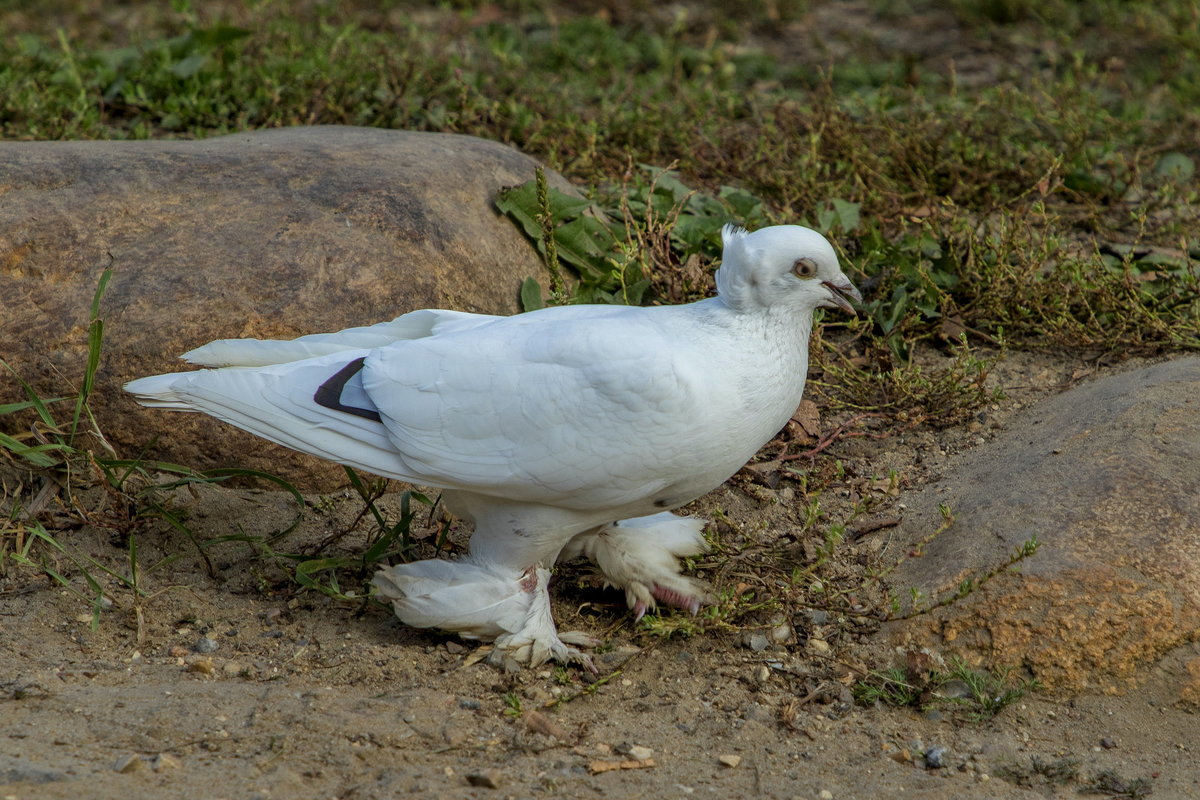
(564, 432)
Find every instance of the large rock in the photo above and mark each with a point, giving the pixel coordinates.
(275, 233)
(1107, 477)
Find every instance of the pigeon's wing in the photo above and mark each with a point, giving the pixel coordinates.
(265, 352)
(581, 409)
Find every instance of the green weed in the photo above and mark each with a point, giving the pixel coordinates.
(512, 705)
(1107, 782)
(1057, 772)
(977, 694)
(731, 608)
(387, 540)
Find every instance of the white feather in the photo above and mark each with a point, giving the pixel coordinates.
(264, 352)
(641, 556)
(458, 596)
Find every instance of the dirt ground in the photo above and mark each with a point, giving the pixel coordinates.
(240, 686)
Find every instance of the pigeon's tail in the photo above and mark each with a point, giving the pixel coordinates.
(316, 406)
(265, 352)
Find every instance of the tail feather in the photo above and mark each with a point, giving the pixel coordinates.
(266, 352)
(277, 403)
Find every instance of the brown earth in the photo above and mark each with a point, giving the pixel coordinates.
(306, 696)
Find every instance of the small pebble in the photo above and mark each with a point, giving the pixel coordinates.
(757, 642)
(639, 753)
(781, 634)
(935, 757)
(1107, 744)
(129, 763)
(232, 669)
(730, 761)
(819, 647)
(206, 645)
(825, 795)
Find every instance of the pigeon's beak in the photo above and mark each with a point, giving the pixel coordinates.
(840, 294)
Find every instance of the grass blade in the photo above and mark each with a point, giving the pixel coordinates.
(95, 341)
(35, 401)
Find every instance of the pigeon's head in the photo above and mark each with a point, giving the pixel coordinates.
(783, 264)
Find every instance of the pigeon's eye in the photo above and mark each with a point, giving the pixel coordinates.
(804, 268)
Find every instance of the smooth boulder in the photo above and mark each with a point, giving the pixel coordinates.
(268, 234)
(1107, 477)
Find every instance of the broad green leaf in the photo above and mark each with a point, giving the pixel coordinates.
(584, 242)
(847, 214)
(531, 295)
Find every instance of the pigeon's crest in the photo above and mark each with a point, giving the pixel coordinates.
(759, 269)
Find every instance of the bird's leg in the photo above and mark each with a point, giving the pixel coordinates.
(483, 601)
(514, 544)
(537, 640)
(641, 556)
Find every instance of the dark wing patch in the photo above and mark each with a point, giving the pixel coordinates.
(329, 393)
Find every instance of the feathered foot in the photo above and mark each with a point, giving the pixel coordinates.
(641, 556)
(478, 603)
(537, 641)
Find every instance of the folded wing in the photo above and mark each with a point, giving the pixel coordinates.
(584, 408)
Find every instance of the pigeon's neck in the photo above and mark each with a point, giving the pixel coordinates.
(789, 331)
(773, 346)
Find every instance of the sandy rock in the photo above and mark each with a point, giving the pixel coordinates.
(201, 665)
(1105, 477)
(1189, 693)
(268, 234)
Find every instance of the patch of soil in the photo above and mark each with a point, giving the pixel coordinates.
(236, 685)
